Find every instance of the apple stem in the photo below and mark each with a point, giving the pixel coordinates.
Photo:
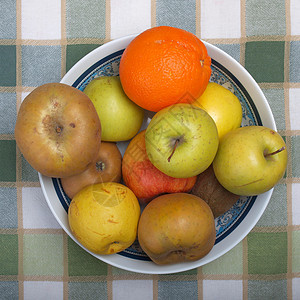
(174, 148)
(275, 152)
(100, 166)
(58, 129)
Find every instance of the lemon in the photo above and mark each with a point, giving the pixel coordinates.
(104, 217)
(223, 106)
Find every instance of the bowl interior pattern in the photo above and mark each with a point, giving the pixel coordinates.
(226, 223)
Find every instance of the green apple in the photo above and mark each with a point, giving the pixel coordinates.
(250, 160)
(120, 118)
(181, 140)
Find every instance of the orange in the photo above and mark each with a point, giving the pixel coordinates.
(164, 65)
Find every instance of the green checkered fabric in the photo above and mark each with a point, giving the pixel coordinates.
(40, 40)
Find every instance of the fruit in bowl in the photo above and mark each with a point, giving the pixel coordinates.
(208, 188)
(223, 106)
(175, 228)
(250, 160)
(58, 130)
(164, 65)
(120, 118)
(104, 217)
(106, 167)
(181, 140)
(143, 178)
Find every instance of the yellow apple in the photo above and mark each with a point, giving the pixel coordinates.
(104, 217)
(223, 106)
(250, 160)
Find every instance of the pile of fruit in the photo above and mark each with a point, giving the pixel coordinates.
(188, 166)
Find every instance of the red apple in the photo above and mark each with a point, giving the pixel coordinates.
(106, 167)
(143, 178)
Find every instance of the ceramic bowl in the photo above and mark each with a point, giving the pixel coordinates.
(232, 226)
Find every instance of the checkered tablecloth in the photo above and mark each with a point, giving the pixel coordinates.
(40, 40)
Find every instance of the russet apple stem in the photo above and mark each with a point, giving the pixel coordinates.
(58, 129)
(174, 148)
(100, 166)
(275, 152)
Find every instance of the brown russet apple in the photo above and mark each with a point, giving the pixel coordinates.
(208, 188)
(58, 130)
(106, 167)
(176, 228)
(143, 178)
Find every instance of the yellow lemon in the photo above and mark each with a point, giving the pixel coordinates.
(104, 217)
(223, 106)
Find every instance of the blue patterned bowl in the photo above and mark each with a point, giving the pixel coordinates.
(232, 226)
